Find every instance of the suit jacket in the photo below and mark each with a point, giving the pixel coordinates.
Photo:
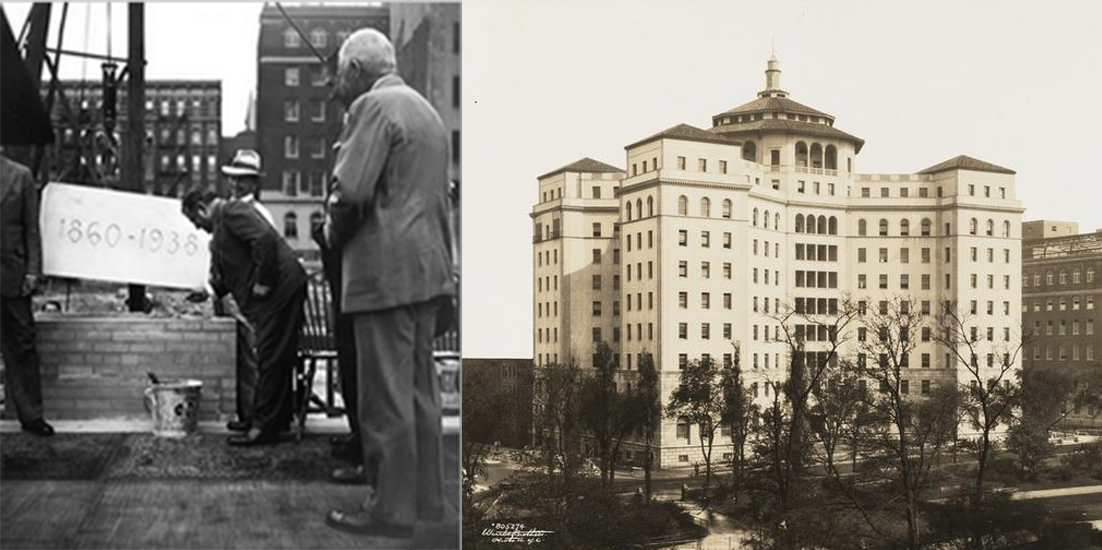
(389, 210)
(20, 245)
(245, 250)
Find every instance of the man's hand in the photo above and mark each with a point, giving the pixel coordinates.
(30, 284)
(261, 291)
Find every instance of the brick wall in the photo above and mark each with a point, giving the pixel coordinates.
(95, 367)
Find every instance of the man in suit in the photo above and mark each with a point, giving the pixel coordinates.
(21, 261)
(389, 216)
(251, 261)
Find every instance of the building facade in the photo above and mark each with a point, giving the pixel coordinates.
(707, 234)
(1061, 294)
(297, 123)
(183, 128)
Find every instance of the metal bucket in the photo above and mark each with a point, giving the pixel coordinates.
(174, 407)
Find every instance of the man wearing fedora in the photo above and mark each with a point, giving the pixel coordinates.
(243, 174)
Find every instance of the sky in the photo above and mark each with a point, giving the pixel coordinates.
(549, 82)
(210, 41)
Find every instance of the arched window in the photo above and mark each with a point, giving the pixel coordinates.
(862, 227)
(972, 225)
(816, 155)
(799, 223)
(990, 227)
(777, 221)
(628, 207)
(905, 228)
(765, 219)
(755, 220)
(883, 227)
(316, 220)
(811, 224)
(705, 207)
(801, 154)
(833, 225)
(682, 206)
(1006, 228)
(650, 206)
(290, 225)
(727, 208)
(639, 208)
(291, 39)
(831, 160)
(925, 227)
(750, 151)
(822, 225)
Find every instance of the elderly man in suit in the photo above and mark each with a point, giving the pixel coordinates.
(389, 216)
(250, 260)
(21, 260)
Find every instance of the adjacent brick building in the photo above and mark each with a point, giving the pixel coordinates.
(1061, 295)
(183, 129)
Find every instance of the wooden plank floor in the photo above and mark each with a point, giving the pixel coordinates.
(191, 514)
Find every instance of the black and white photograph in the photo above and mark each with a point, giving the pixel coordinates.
(230, 275)
(782, 275)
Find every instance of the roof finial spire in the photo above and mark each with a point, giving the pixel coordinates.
(772, 76)
(773, 47)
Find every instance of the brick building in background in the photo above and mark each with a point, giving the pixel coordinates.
(183, 129)
(1061, 295)
(296, 122)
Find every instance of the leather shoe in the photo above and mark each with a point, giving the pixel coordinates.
(362, 523)
(253, 438)
(356, 475)
(239, 425)
(343, 440)
(39, 427)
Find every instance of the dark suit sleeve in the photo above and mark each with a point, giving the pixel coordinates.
(365, 146)
(30, 220)
(243, 222)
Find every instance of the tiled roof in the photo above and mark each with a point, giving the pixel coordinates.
(774, 104)
(686, 132)
(584, 165)
(792, 126)
(964, 162)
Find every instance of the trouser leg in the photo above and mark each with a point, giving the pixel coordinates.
(346, 364)
(246, 372)
(21, 369)
(277, 332)
(397, 408)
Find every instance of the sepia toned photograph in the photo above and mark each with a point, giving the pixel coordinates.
(783, 275)
(230, 275)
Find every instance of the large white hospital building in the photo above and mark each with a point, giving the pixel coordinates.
(705, 232)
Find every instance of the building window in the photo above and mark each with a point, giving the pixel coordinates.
(682, 206)
(290, 225)
(290, 76)
(318, 37)
(290, 147)
(680, 163)
(291, 39)
(597, 309)
(318, 149)
(317, 110)
(290, 182)
(290, 110)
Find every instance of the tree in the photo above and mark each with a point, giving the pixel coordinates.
(989, 392)
(599, 403)
(911, 430)
(650, 413)
(1046, 398)
(558, 421)
(813, 341)
(738, 409)
(484, 404)
(698, 399)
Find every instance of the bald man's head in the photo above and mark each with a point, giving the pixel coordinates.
(364, 57)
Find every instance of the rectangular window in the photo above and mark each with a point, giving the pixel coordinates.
(290, 110)
(702, 165)
(290, 76)
(680, 163)
(290, 147)
(723, 167)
